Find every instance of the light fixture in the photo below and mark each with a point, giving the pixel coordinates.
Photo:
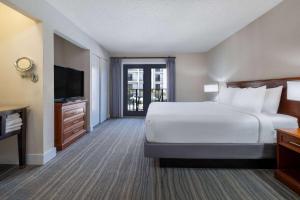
(211, 88)
(293, 90)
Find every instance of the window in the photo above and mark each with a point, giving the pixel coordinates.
(157, 77)
(141, 76)
(135, 86)
(135, 77)
(157, 86)
(130, 77)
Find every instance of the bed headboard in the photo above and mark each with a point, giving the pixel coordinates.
(286, 106)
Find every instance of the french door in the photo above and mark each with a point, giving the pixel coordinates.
(143, 84)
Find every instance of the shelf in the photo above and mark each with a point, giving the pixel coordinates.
(291, 177)
(6, 135)
(21, 144)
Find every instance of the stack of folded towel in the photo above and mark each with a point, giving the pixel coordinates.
(13, 122)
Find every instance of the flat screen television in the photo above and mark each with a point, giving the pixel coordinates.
(68, 83)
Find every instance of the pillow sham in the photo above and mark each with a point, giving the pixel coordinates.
(250, 99)
(272, 100)
(226, 95)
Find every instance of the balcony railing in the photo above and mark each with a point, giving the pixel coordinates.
(158, 95)
(135, 99)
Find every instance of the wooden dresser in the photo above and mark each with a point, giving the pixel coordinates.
(70, 123)
(288, 158)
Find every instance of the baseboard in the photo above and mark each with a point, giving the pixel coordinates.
(97, 125)
(32, 159)
(89, 129)
(49, 155)
(7, 161)
(41, 159)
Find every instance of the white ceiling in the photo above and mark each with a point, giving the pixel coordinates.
(161, 26)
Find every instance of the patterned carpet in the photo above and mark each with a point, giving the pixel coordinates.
(109, 164)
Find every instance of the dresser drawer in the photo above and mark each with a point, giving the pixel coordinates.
(74, 126)
(73, 112)
(73, 130)
(290, 142)
(73, 120)
(73, 106)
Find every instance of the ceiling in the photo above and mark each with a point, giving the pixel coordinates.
(161, 26)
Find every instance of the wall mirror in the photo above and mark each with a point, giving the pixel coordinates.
(25, 65)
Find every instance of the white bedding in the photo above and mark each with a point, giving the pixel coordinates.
(207, 122)
(282, 121)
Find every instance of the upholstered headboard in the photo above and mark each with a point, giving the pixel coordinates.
(286, 106)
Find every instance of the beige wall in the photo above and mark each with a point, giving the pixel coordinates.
(191, 75)
(21, 37)
(52, 22)
(267, 48)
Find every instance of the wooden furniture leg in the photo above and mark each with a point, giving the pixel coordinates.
(22, 141)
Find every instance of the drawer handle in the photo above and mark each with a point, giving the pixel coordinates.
(295, 144)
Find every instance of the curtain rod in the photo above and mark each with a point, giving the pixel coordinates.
(143, 57)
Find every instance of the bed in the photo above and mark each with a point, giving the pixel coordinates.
(210, 130)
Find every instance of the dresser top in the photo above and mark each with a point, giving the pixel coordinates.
(4, 108)
(291, 132)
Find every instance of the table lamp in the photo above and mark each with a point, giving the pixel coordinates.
(293, 90)
(211, 88)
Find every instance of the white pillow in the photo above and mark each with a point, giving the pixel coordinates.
(250, 99)
(226, 95)
(272, 100)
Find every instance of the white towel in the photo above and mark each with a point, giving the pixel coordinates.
(15, 121)
(12, 129)
(13, 116)
(14, 125)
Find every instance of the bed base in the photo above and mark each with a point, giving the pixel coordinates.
(218, 163)
(212, 155)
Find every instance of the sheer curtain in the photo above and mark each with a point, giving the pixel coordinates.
(171, 74)
(115, 77)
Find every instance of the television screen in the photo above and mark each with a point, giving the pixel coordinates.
(68, 83)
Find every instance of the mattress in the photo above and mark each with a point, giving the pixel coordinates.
(210, 122)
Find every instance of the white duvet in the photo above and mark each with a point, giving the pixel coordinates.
(206, 122)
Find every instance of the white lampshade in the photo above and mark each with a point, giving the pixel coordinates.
(293, 90)
(209, 88)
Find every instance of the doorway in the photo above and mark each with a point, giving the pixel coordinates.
(143, 84)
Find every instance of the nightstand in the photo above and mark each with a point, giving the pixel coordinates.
(288, 158)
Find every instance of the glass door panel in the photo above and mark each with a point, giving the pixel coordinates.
(133, 86)
(143, 84)
(135, 89)
(159, 85)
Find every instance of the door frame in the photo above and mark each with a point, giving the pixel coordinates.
(147, 85)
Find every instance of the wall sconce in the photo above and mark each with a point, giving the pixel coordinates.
(25, 66)
(293, 90)
(211, 88)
